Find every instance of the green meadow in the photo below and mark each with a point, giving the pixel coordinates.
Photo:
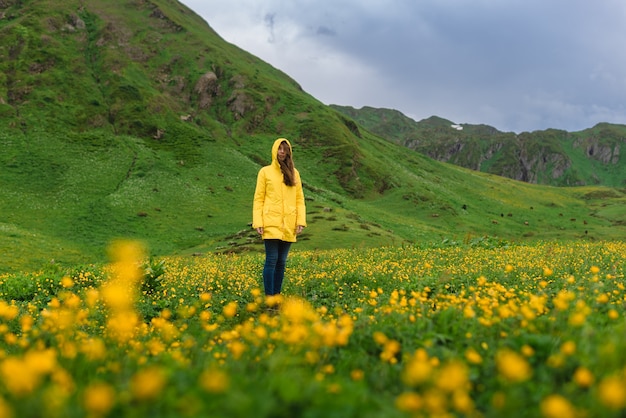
(65, 198)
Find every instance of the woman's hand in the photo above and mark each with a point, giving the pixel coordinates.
(260, 230)
(299, 229)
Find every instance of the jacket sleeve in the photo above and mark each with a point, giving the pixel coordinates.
(259, 201)
(300, 205)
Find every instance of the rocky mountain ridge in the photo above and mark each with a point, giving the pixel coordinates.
(554, 157)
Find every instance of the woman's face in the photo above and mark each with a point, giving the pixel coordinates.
(283, 150)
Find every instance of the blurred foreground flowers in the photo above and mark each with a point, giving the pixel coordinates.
(456, 331)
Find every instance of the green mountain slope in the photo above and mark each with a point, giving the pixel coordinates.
(552, 157)
(135, 119)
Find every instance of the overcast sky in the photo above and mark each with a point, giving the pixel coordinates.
(517, 65)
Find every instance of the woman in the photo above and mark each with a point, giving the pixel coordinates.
(278, 212)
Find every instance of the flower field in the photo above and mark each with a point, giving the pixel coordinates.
(482, 330)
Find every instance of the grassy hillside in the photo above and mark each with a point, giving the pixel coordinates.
(135, 119)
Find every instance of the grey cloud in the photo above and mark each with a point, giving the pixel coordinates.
(515, 64)
(269, 22)
(323, 30)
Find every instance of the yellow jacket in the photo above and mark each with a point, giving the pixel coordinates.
(278, 208)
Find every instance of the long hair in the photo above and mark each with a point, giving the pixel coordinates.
(286, 166)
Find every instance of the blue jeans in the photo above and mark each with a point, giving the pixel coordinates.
(275, 260)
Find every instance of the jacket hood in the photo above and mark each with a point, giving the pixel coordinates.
(275, 149)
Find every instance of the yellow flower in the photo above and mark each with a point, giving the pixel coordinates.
(91, 297)
(468, 312)
(435, 402)
(556, 360)
(7, 311)
(505, 312)
(64, 383)
(126, 251)
(328, 369)
(556, 406)
(5, 409)
(452, 376)
(602, 298)
(312, 357)
(17, 378)
(583, 377)
(390, 349)
(568, 348)
(118, 295)
(230, 310)
(126, 259)
(71, 300)
(577, 319)
(122, 326)
(166, 329)
(22, 376)
(418, 369)
(512, 366)
(214, 381)
(10, 338)
(357, 374)
(155, 346)
(273, 300)
(295, 334)
(594, 269)
(334, 388)
(562, 299)
(380, 338)
(67, 282)
(612, 392)
(26, 322)
(527, 350)
(99, 398)
(473, 356)
(148, 383)
(260, 332)
(40, 362)
(297, 310)
(236, 348)
(409, 402)
(462, 402)
(528, 313)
